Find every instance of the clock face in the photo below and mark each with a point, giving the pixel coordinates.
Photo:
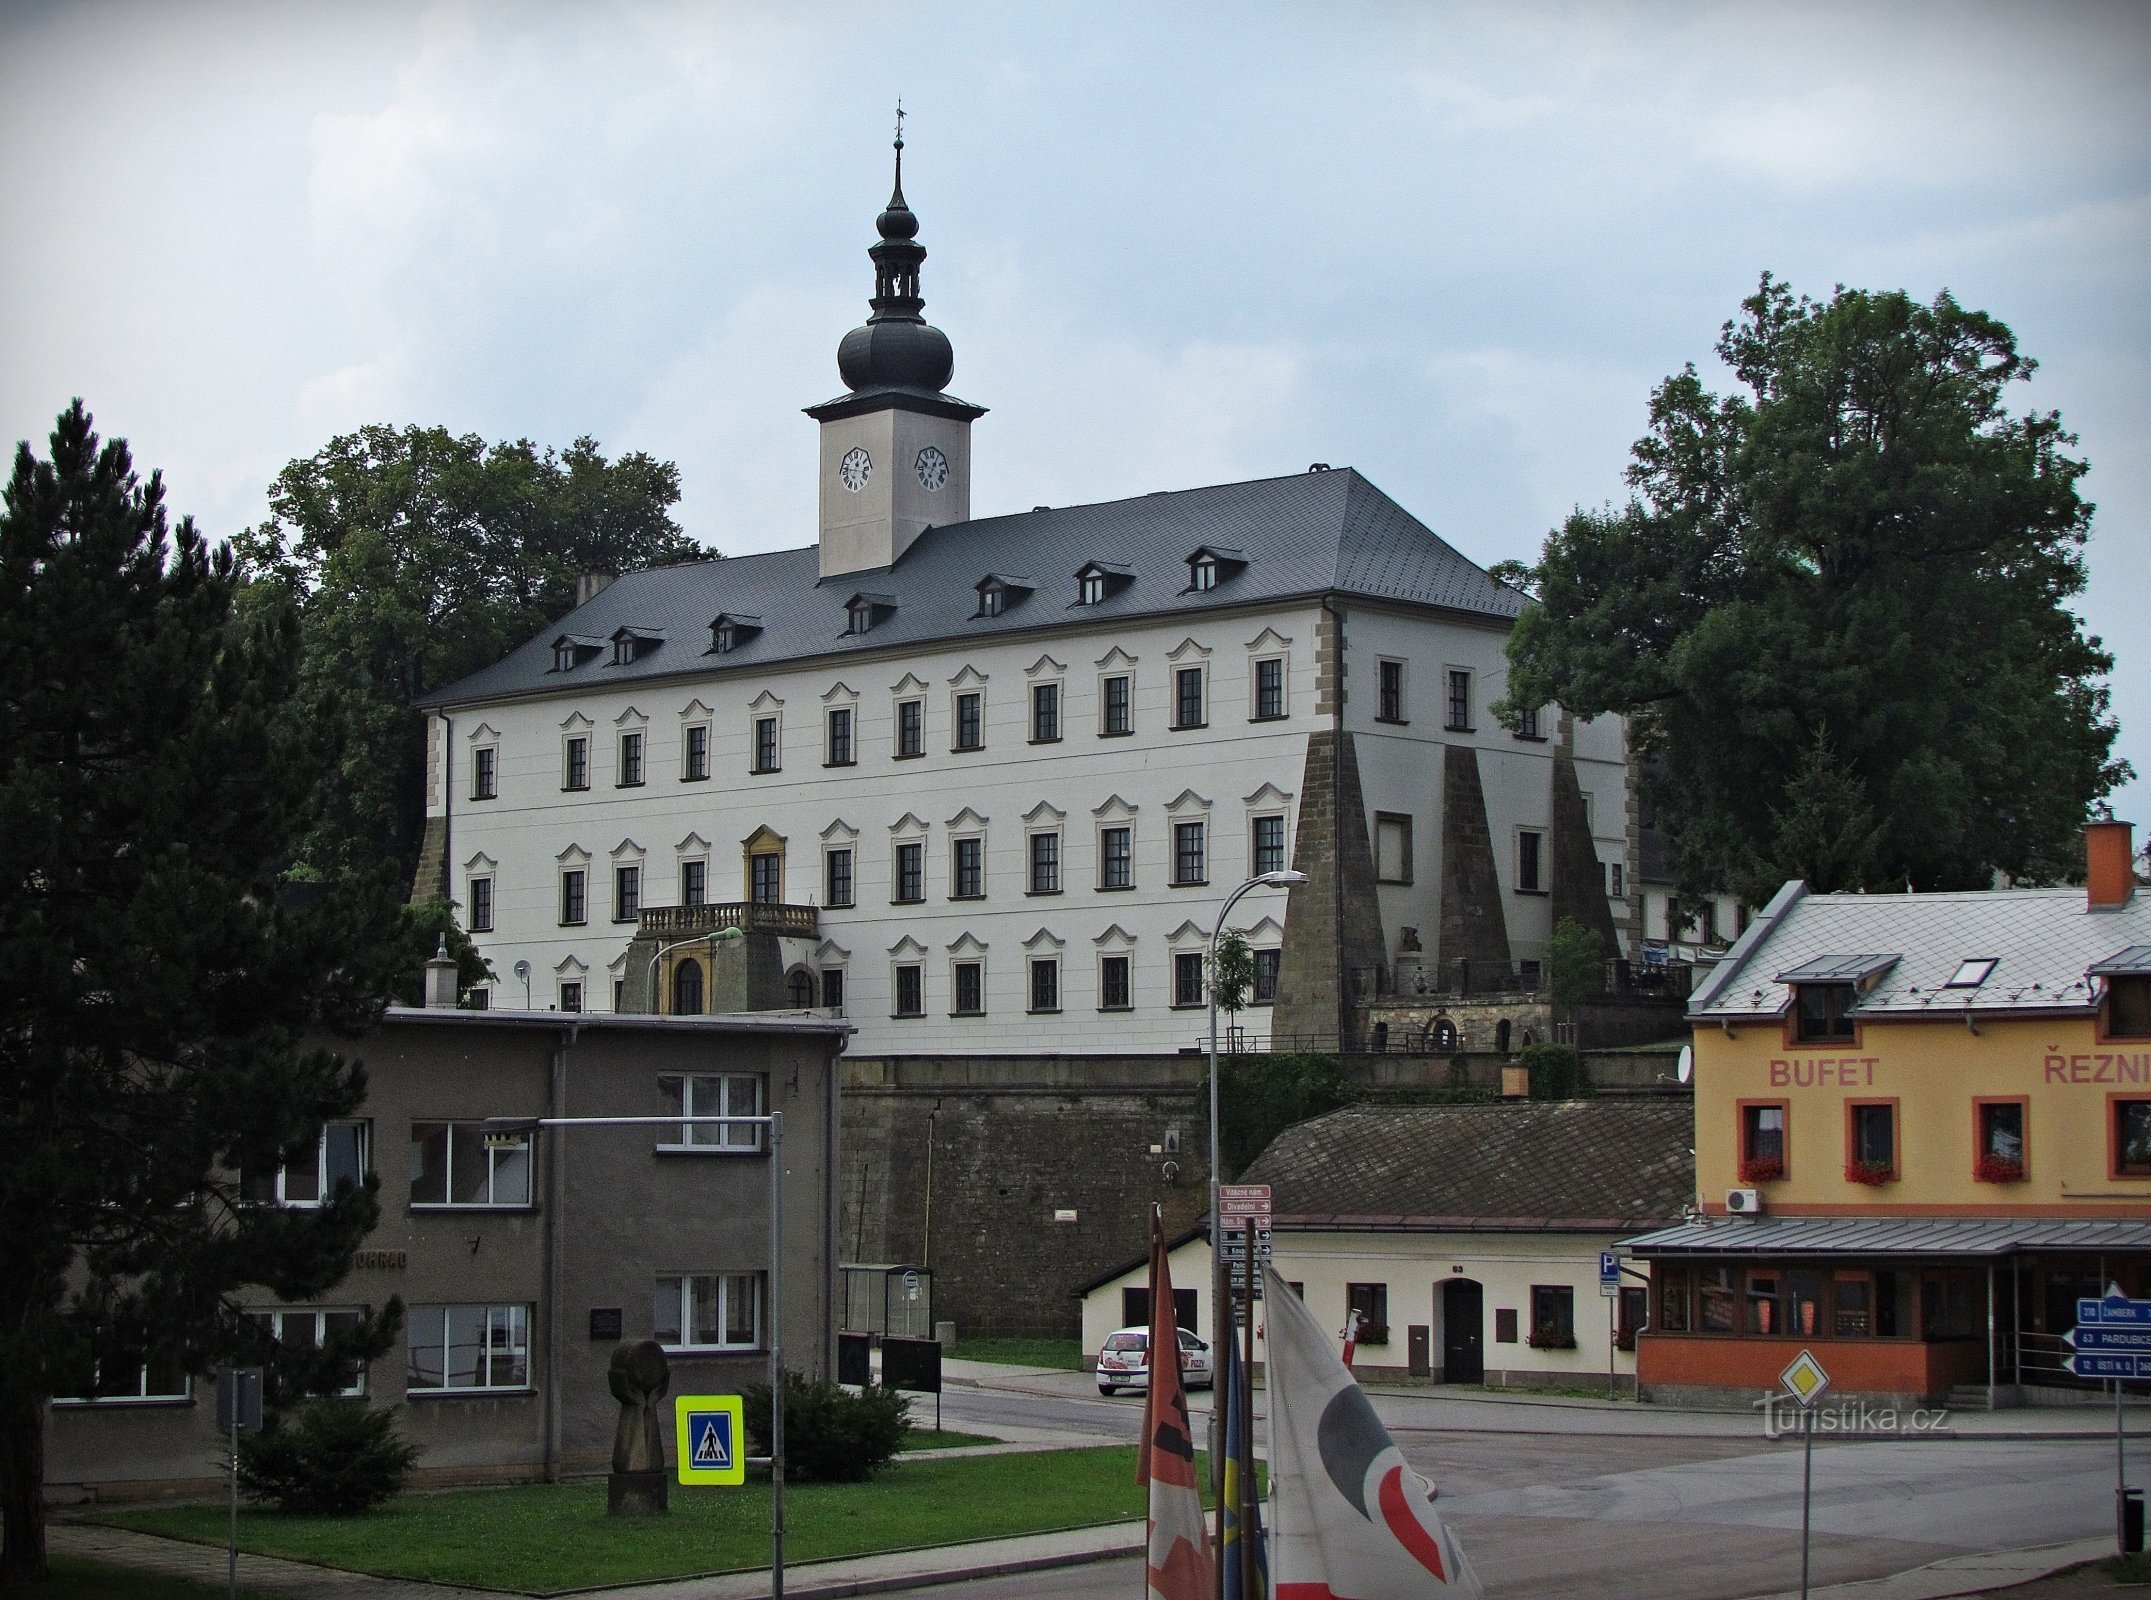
(932, 467)
(856, 467)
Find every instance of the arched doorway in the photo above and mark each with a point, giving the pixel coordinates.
(1445, 1037)
(1463, 1331)
(687, 987)
(1501, 1036)
(799, 989)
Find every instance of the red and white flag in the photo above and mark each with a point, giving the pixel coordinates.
(1351, 1521)
(1178, 1561)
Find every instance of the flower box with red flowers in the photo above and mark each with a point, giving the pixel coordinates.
(1872, 1173)
(1551, 1339)
(1998, 1169)
(1762, 1169)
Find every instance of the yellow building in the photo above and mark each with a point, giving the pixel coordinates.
(1923, 1133)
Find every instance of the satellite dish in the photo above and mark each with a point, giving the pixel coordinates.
(1686, 1068)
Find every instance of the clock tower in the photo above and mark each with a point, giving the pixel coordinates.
(895, 449)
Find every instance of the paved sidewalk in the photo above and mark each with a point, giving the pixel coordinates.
(1965, 1575)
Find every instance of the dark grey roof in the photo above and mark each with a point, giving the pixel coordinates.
(1309, 534)
(2132, 962)
(1837, 969)
(2045, 944)
(1549, 1165)
(1889, 1236)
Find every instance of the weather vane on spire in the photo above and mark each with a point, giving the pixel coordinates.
(899, 123)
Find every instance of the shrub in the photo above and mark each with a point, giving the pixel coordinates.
(330, 1457)
(831, 1435)
(1556, 1072)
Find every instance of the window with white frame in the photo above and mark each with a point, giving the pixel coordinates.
(630, 760)
(833, 988)
(695, 748)
(1527, 724)
(1116, 857)
(571, 994)
(1046, 863)
(627, 892)
(910, 729)
(765, 744)
(1189, 709)
(1269, 688)
(1458, 719)
(1090, 588)
(694, 882)
(1187, 978)
(574, 896)
(485, 772)
(1530, 861)
(1114, 988)
(1045, 713)
(836, 876)
(1191, 853)
(839, 737)
(1116, 713)
(1390, 691)
(1045, 983)
(312, 1330)
(908, 981)
(970, 707)
(711, 1094)
(967, 988)
(453, 1165)
(125, 1376)
(466, 1349)
(910, 882)
(1267, 851)
(967, 868)
(1267, 964)
(340, 1158)
(575, 761)
(707, 1311)
(481, 903)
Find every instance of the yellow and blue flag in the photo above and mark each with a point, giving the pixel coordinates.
(1233, 1545)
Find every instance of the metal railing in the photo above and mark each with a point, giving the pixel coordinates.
(748, 916)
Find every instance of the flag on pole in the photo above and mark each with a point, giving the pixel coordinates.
(1351, 1520)
(1236, 1544)
(1177, 1565)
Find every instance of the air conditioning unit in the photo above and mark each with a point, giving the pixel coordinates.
(1743, 1202)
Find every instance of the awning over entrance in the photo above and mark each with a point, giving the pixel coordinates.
(1974, 1238)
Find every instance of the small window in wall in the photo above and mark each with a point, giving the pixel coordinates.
(686, 988)
(485, 772)
(1269, 844)
(1188, 708)
(1392, 847)
(312, 1331)
(1115, 715)
(1369, 1302)
(1821, 1013)
(695, 763)
(1090, 588)
(910, 729)
(1553, 1316)
(1616, 881)
(765, 744)
(1999, 1156)
(630, 760)
(1267, 963)
(453, 1165)
(1762, 1142)
(765, 878)
(1530, 857)
(481, 890)
(970, 720)
(799, 989)
(1190, 853)
(571, 994)
(707, 1311)
(626, 893)
(910, 986)
(910, 872)
(694, 883)
(463, 1348)
(836, 877)
(1871, 1137)
(1045, 713)
(840, 736)
(967, 866)
(1116, 858)
(711, 1094)
(1113, 989)
(1187, 978)
(339, 1159)
(1391, 692)
(1045, 863)
(575, 761)
(1045, 984)
(968, 983)
(1459, 700)
(1269, 688)
(1528, 724)
(833, 988)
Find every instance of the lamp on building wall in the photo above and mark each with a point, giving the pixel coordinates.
(1220, 1312)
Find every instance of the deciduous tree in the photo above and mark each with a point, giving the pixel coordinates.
(1835, 608)
(161, 988)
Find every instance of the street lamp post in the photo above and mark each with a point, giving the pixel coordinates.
(495, 1128)
(1220, 1309)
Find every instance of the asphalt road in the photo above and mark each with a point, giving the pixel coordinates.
(1608, 1504)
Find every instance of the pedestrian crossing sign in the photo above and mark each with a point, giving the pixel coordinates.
(709, 1442)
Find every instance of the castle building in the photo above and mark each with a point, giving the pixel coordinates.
(973, 781)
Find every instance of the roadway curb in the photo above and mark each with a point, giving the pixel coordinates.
(1014, 1566)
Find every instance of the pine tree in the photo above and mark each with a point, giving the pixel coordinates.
(164, 998)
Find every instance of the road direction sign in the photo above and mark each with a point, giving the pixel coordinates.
(1804, 1379)
(1234, 1245)
(1244, 1191)
(2098, 1364)
(2113, 1340)
(1228, 1209)
(1609, 1273)
(710, 1438)
(2114, 1311)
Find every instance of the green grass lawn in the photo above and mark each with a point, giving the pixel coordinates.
(942, 1439)
(74, 1578)
(1064, 1354)
(542, 1537)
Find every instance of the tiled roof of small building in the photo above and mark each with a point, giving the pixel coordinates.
(1309, 534)
(1549, 1165)
(2042, 943)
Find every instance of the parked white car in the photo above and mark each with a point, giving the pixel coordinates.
(1124, 1363)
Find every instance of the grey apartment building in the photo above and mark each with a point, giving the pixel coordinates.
(521, 1269)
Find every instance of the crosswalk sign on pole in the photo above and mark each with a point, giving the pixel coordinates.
(710, 1439)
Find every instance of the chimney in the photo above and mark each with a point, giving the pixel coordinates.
(2109, 854)
(441, 979)
(590, 585)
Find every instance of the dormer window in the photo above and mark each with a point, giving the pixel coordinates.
(863, 611)
(2126, 978)
(997, 592)
(731, 629)
(630, 645)
(563, 657)
(1090, 588)
(1098, 579)
(1212, 564)
(989, 600)
(1825, 993)
(623, 651)
(571, 650)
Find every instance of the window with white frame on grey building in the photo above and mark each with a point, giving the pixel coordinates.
(710, 1094)
(765, 878)
(1115, 707)
(840, 736)
(1190, 853)
(1530, 848)
(967, 869)
(1187, 978)
(574, 897)
(481, 892)
(571, 994)
(910, 728)
(765, 744)
(124, 1376)
(1459, 706)
(1267, 963)
(967, 985)
(910, 872)
(1188, 697)
(1391, 695)
(1045, 863)
(836, 876)
(575, 761)
(452, 1165)
(485, 772)
(695, 762)
(1116, 858)
(626, 892)
(465, 1348)
(340, 1158)
(970, 720)
(1113, 984)
(630, 760)
(833, 988)
(1269, 688)
(1045, 713)
(910, 986)
(311, 1329)
(694, 883)
(1045, 983)
(1269, 844)
(707, 1311)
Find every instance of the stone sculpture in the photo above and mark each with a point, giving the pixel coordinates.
(639, 1378)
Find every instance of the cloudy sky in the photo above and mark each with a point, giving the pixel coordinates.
(1451, 245)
